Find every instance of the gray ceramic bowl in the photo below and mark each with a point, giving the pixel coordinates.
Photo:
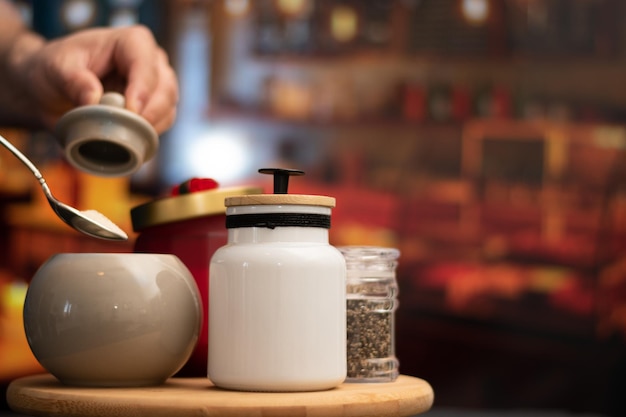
(112, 319)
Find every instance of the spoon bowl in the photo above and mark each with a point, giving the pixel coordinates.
(89, 222)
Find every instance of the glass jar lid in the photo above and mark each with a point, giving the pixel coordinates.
(370, 257)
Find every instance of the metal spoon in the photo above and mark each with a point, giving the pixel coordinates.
(89, 222)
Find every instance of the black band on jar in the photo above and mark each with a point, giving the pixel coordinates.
(273, 220)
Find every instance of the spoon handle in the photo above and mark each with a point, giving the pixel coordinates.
(23, 159)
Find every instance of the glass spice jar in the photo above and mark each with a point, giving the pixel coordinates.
(371, 302)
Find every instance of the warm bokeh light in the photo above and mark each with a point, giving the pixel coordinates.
(344, 23)
(237, 7)
(295, 8)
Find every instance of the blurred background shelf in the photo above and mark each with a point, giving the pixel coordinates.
(489, 148)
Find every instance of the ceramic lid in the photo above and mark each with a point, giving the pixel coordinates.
(106, 139)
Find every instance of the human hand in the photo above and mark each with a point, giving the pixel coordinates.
(74, 70)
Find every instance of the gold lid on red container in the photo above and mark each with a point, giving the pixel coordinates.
(185, 206)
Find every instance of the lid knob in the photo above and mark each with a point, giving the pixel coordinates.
(281, 177)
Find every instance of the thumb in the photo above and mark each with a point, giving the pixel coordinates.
(84, 87)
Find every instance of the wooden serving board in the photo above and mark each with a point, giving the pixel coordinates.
(44, 395)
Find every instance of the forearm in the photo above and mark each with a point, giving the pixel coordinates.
(16, 44)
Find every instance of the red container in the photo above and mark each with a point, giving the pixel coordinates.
(192, 227)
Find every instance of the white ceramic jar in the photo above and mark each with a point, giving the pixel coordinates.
(277, 309)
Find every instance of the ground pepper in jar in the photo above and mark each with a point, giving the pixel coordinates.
(371, 301)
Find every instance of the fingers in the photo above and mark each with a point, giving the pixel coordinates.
(57, 78)
(75, 70)
(135, 56)
(160, 106)
(85, 88)
(152, 87)
(165, 122)
(82, 88)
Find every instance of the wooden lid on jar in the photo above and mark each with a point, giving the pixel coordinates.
(280, 196)
(280, 199)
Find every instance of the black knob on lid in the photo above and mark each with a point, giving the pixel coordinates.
(281, 177)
